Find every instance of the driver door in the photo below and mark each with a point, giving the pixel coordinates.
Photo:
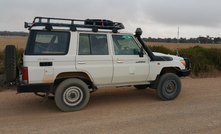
(128, 65)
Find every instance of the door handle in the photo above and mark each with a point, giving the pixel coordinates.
(81, 62)
(120, 61)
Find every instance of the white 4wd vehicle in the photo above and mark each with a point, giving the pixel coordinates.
(71, 58)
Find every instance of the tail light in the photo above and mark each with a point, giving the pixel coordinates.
(24, 73)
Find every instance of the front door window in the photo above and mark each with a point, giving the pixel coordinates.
(125, 45)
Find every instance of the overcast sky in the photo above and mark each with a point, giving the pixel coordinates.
(157, 18)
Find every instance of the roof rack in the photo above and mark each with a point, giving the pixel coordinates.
(95, 24)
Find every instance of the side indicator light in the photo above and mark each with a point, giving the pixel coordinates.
(184, 63)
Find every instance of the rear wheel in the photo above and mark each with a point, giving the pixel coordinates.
(169, 86)
(10, 63)
(72, 95)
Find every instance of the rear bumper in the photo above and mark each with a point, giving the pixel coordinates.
(44, 88)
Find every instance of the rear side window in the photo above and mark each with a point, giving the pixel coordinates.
(93, 44)
(47, 43)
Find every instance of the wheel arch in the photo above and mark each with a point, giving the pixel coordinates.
(67, 75)
(174, 70)
(82, 75)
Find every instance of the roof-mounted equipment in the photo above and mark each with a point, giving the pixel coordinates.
(95, 24)
(48, 27)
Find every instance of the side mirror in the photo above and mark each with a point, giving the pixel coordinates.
(141, 52)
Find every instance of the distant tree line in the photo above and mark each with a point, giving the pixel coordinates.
(9, 33)
(200, 39)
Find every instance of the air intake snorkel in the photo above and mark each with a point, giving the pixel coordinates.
(138, 33)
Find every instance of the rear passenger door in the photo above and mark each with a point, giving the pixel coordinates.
(93, 57)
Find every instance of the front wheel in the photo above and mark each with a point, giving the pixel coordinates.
(169, 86)
(72, 95)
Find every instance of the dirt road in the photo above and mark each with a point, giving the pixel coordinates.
(119, 110)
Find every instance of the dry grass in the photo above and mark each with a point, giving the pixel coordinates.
(18, 41)
(173, 46)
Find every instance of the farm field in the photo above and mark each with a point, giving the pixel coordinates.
(20, 42)
(173, 46)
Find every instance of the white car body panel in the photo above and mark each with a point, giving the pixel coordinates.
(102, 69)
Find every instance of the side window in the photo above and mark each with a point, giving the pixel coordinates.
(125, 45)
(84, 44)
(93, 44)
(47, 43)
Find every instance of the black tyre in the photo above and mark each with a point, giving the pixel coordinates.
(140, 87)
(10, 63)
(72, 95)
(169, 86)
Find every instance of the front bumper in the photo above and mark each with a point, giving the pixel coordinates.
(185, 72)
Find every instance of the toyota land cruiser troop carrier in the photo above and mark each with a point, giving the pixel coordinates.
(72, 58)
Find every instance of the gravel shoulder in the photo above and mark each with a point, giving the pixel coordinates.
(119, 110)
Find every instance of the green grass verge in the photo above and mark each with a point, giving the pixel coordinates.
(202, 59)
